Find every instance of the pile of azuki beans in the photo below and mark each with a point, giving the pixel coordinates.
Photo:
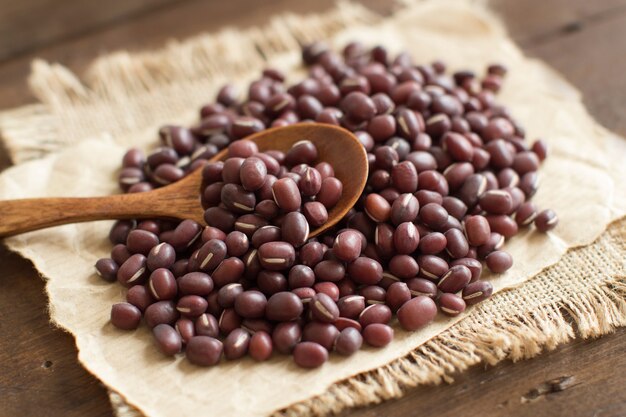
(450, 179)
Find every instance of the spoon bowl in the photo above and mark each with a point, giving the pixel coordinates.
(181, 200)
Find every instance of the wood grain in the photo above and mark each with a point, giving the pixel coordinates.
(584, 40)
(582, 378)
(29, 25)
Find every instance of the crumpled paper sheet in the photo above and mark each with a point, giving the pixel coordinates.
(582, 180)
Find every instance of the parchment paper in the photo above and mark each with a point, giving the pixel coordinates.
(582, 180)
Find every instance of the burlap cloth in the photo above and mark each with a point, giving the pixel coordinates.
(70, 144)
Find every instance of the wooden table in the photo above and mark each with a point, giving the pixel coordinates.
(39, 373)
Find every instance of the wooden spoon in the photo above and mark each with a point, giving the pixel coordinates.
(181, 200)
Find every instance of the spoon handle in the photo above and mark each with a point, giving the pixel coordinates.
(20, 216)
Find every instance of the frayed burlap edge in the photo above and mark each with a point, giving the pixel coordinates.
(71, 109)
(582, 295)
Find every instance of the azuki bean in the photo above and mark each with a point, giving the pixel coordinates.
(417, 313)
(451, 304)
(260, 347)
(477, 291)
(427, 197)
(454, 206)
(397, 294)
(330, 192)
(229, 321)
(236, 344)
(120, 254)
(302, 152)
(456, 174)
(250, 304)
(133, 271)
(546, 220)
(365, 270)
(502, 224)
(376, 313)
(373, 294)
(265, 234)
(252, 173)
(473, 187)
(348, 342)
(237, 199)
(204, 350)
(228, 293)
(432, 267)
(192, 305)
(167, 339)
(301, 276)
(309, 355)
(185, 328)
(526, 161)
(455, 279)
(495, 242)
(421, 286)
(162, 255)
(404, 209)
(406, 238)
(540, 148)
(329, 288)
(432, 243)
(378, 335)
(231, 170)
(496, 202)
(310, 182)
(276, 256)
(311, 254)
(499, 261)
(286, 194)
(347, 245)
(377, 208)
(107, 269)
(351, 306)
(433, 215)
(456, 243)
(329, 270)
(141, 241)
(162, 284)
(161, 312)
(211, 254)
(206, 325)
(285, 336)
(271, 282)
(403, 266)
(477, 230)
(237, 243)
(139, 296)
(283, 306)
(323, 333)
(404, 177)
(474, 266)
(295, 229)
(323, 308)
(125, 316)
(220, 218)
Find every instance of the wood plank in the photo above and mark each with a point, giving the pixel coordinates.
(532, 21)
(39, 371)
(582, 378)
(32, 24)
(594, 60)
(150, 31)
